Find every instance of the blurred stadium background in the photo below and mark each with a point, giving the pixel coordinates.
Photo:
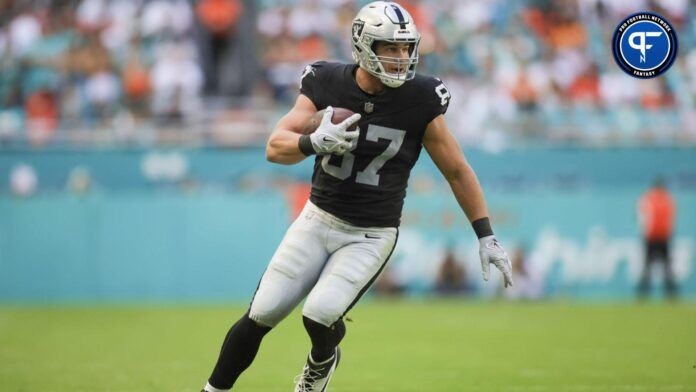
(132, 166)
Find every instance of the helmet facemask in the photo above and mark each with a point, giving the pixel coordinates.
(405, 67)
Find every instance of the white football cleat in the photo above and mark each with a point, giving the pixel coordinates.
(315, 377)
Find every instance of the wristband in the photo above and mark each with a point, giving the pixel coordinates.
(305, 145)
(482, 227)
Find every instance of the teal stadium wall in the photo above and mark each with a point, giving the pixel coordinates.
(138, 239)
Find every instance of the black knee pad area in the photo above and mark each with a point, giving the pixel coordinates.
(249, 327)
(323, 336)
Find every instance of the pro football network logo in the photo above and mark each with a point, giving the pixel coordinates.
(644, 45)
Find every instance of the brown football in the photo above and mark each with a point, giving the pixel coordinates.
(339, 114)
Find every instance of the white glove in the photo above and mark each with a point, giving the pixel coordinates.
(330, 138)
(492, 253)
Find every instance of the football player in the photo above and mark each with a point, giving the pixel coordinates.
(341, 241)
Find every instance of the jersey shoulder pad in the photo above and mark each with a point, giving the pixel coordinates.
(435, 95)
(316, 74)
(321, 70)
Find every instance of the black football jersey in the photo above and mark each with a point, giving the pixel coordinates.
(367, 185)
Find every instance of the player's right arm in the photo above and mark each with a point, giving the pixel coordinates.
(283, 144)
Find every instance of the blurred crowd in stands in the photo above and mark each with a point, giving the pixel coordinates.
(222, 71)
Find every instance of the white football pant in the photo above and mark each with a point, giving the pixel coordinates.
(326, 259)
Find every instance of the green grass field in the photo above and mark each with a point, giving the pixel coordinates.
(390, 346)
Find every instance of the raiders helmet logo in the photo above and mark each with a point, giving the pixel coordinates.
(357, 29)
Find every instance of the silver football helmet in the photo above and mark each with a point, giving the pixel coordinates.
(390, 22)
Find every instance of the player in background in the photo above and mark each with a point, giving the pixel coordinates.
(656, 216)
(341, 241)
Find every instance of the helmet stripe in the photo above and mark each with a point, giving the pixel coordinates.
(399, 14)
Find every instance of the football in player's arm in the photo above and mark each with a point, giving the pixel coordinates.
(343, 238)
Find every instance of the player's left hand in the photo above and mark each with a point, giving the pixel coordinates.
(492, 253)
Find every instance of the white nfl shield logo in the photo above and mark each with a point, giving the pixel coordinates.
(369, 107)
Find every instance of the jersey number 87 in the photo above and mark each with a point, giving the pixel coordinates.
(368, 176)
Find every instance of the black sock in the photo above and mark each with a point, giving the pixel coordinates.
(324, 339)
(238, 351)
